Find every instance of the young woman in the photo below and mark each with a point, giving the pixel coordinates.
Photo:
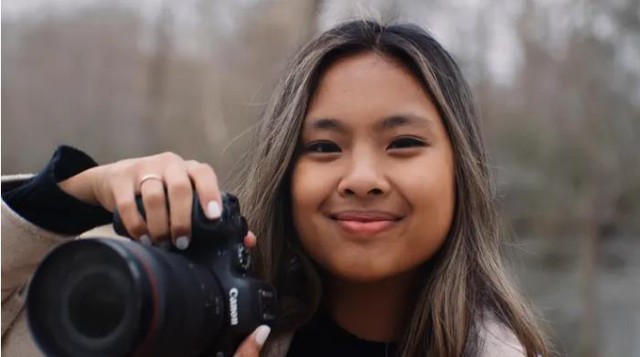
(368, 190)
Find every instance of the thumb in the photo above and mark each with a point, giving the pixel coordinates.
(252, 345)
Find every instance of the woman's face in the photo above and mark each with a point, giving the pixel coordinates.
(373, 189)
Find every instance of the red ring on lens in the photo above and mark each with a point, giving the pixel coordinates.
(140, 351)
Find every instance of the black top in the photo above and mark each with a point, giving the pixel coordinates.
(323, 337)
(40, 201)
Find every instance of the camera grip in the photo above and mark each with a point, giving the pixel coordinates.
(118, 225)
(231, 225)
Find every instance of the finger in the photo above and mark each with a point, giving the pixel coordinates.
(206, 184)
(155, 207)
(124, 201)
(250, 240)
(180, 194)
(252, 345)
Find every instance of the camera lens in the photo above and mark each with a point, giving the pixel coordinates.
(108, 297)
(96, 305)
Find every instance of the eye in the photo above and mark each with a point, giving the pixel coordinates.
(406, 142)
(322, 147)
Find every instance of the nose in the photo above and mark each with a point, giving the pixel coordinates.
(364, 177)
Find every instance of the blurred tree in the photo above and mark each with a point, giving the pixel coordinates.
(157, 81)
(123, 79)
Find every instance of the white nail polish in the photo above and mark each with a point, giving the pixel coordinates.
(213, 210)
(262, 333)
(182, 243)
(145, 240)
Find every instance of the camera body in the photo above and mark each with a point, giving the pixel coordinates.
(107, 297)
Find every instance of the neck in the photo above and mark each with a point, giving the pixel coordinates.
(374, 311)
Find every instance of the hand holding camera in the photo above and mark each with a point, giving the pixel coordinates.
(109, 297)
(162, 180)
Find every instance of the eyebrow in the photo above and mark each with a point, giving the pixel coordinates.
(399, 120)
(388, 123)
(328, 124)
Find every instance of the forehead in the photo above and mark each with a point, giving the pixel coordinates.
(365, 68)
(369, 86)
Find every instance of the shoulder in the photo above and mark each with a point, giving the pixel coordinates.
(496, 339)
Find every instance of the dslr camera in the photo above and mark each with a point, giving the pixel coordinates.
(113, 297)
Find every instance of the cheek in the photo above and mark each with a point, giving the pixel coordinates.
(312, 184)
(302, 183)
(309, 188)
(431, 195)
(436, 198)
(298, 188)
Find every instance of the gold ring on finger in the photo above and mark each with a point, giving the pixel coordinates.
(149, 177)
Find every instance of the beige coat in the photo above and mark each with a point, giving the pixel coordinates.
(24, 245)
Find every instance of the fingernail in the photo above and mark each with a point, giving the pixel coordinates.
(145, 240)
(165, 245)
(213, 210)
(182, 243)
(262, 333)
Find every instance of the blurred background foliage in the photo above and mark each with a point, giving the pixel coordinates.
(558, 83)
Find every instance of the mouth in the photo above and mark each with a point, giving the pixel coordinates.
(365, 222)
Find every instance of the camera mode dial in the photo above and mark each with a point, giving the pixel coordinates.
(243, 258)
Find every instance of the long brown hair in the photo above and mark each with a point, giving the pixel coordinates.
(466, 279)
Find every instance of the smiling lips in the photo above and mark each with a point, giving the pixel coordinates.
(365, 222)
